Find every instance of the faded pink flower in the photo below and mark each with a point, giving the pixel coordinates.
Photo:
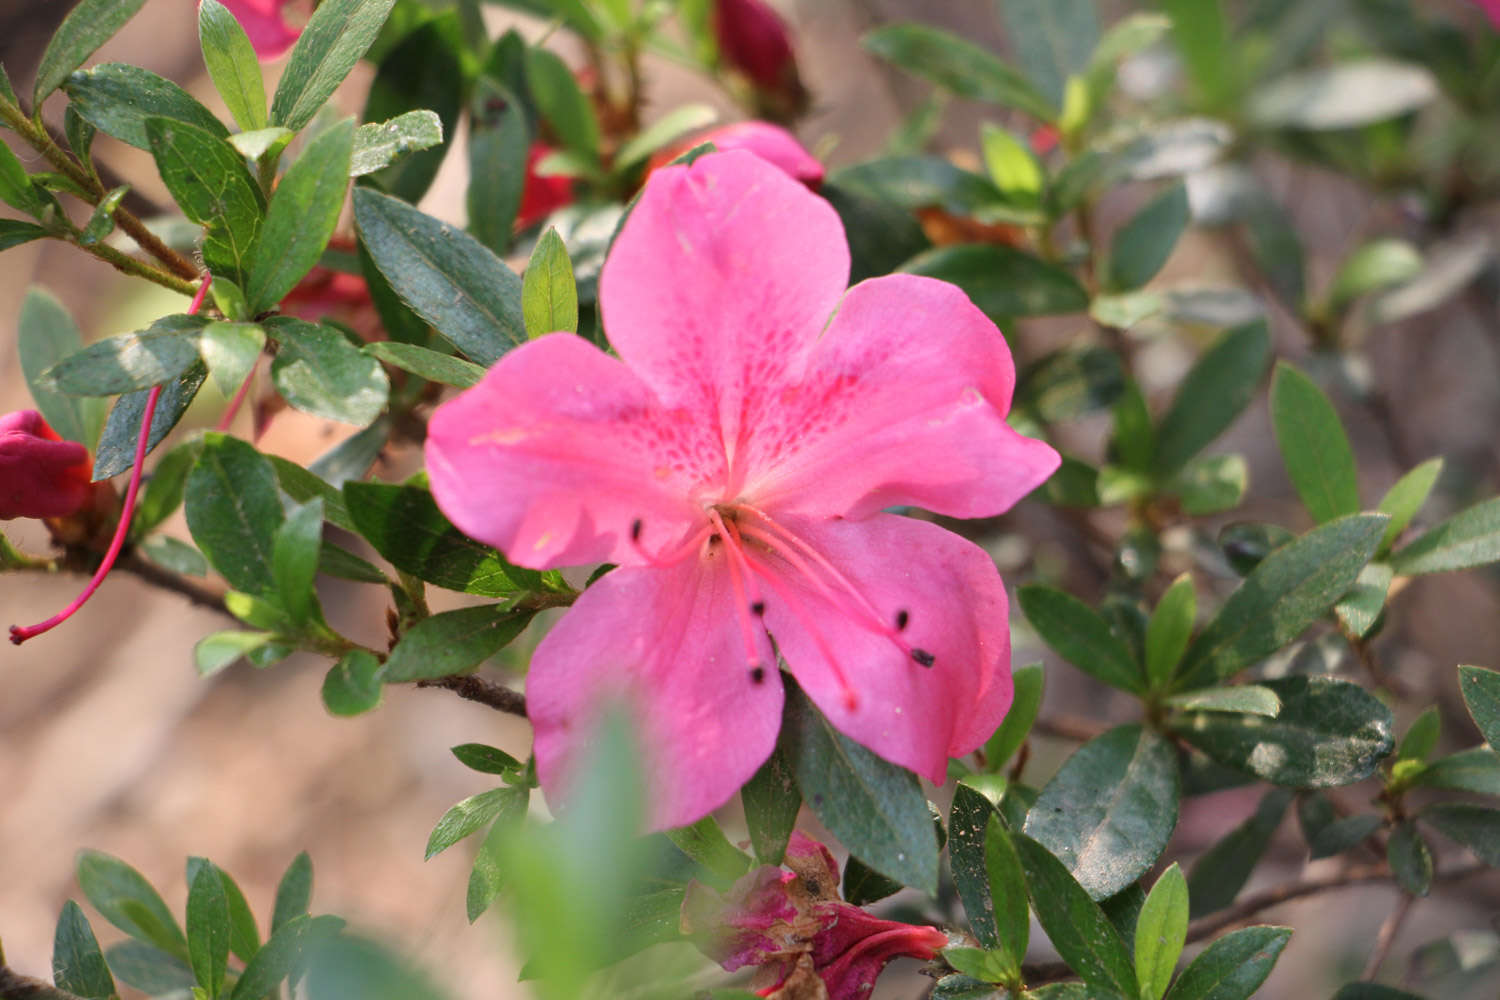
(734, 462)
(265, 22)
(41, 475)
(791, 926)
(771, 143)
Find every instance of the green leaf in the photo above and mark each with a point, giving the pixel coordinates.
(234, 510)
(1361, 607)
(453, 642)
(862, 885)
(1410, 859)
(1160, 932)
(1233, 967)
(244, 939)
(46, 335)
(446, 276)
(78, 965)
(706, 844)
(1345, 95)
(1108, 812)
(17, 189)
(294, 561)
(208, 179)
(1075, 925)
(673, 125)
(1222, 871)
(1007, 884)
(874, 807)
(1070, 383)
(422, 74)
(485, 759)
(304, 211)
(1372, 266)
(208, 928)
(1202, 37)
(1052, 40)
(1213, 393)
(772, 801)
(1003, 281)
(1474, 770)
(1251, 699)
(881, 235)
(352, 685)
(1314, 447)
(352, 457)
(214, 652)
(1474, 826)
(379, 144)
(1168, 631)
(283, 954)
(561, 102)
(122, 428)
(131, 361)
(961, 987)
(473, 813)
(335, 37)
(1450, 266)
(102, 220)
(124, 898)
(293, 892)
(549, 295)
(14, 233)
(175, 555)
(406, 527)
(149, 969)
(1329, 732)
(117, 99)
(1326, 832)
(232, 65)
(1422, 735)
(302, 485)
(498, 143)
(1010, 163)
(1481, 691)
(88, 25)
(968, 819)
(1289, 590)
(263, 143)
(487, 877)
(1403, 500)
(918, 182)
(958, 65)
(1029, 682)
(318, 371)
(426, 363)
(1142, 245)
(1467, 539)
(1081, 636)
(230, 350)
(1210, 484)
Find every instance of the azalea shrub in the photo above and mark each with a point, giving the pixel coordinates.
(725, 440)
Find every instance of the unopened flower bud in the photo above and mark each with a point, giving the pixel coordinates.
(41, 475)
(754, 40)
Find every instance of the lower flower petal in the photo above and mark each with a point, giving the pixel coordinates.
(940, 601)
(667, 642)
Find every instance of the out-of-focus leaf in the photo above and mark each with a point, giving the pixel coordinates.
(918, 182)
(957, 65)
(1467, 539)
(1251, 699)
(1170, 628)
(1481, 691)
(1003, 281)
(78, 965)
(1052, 40)
(1070, 383)
(1142, 245)
(1474, 770)
(1081, 636)
(1233, 967)
(1346, 95)
(498, 143)
(1372, 266)
(1210, 484)
(422, 75)
(1221, 872)
(1474, 826)
(1410, 858)
(1450, 266)
(46, 334)
(1029, 682)
(561, 102)
(1213, 393)
(1314, 447)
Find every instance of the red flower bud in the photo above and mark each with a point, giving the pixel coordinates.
(41, 475)
(541, 196)
(754, 40)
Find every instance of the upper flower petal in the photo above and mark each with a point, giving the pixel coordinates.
(266, 25)
(664, 640)
(944, 597)
(719, 284)
(559, 450)
(903, 402)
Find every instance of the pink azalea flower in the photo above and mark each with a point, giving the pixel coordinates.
(771, 143)
(41, 475)
(265, 22)
(734, 462)
(791, 926)
(1492, 8)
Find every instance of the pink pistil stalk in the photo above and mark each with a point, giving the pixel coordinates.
(20, 633)
(234, 404)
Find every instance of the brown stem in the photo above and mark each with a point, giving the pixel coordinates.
(129, 265)
(196, 593)
(14, 986)
(471, 688)
(1387, 935)
(1069, 727)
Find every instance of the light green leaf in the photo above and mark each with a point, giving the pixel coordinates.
(549, 295)
(427, 363)
(1403, 500)
(232, 64)
(1313, 445)
(335, 37)
(1160, 932)
(319, 371)
(1251, 699)
(230, 350)
(380, 144)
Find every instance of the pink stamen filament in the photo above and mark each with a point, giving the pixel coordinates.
(18, 633)
(686, 550)
(739, 576)
(794, 607)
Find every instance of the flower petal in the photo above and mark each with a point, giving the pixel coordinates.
(266, 25)
(719, 284)
(559, 450)
(667, 641)
(955, 609)
(903, 403)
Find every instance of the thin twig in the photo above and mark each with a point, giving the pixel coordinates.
(471, 688)
(1069, 727)
(1387, 935)
(197, 594)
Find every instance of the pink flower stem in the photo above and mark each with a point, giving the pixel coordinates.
(236, 402)
(18, 633)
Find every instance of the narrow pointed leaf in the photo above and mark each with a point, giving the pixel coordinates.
(1404, 499)
(335, 37)
(1313, 445)
(957, 65)
(78, 965)
(772, 801)
(1081, 636)
(1216, 389)
(1467, 539)
(1160, 932)
(453, 642)
(293, 892)
(549, 295)
(208, 928)
(1233, 967)
(128, 901)
(88, 25)
(232, 65)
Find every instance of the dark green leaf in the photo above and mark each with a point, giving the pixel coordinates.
(1329, 732)
(46, 335)
(117, 99)
(149, 969)
(875, 808)
(318, 371)
(706, 844)
(917, 182)
(957, 65)
(863, 885)
(1328, 834)
(1290, 589)
(473, 813)
(244, 938)
(126, 899)
(283, 954)
(1214, 392)
(1142, 245)
(1075, 925)
(453, 642)
(955, 987)
(352, 457)
(1467, 539)
(560, 101)
(335, 37)
(1233, 967)
(881, 235)
(549, 295)
(1313, 445)
(303, 211)
(293, 892)
(421, 75)
(1081, 636)
(1361, 607)
(1246, 543)
(1474, 826)
(208, 928)
(1481, 691)
(967, 822)
(1003, 281)
(1029, 682)
(406, 527)
(232, 64)
(14, 233)
(208, 179)
(1052, 40)
(498, 143)
(379, 144)
(485, 759)
(302, 485)
(131, 361)
(446, 276)
(1108, 812)
(1160, 932)
(1346, 95)
(294, 561)
(122, 428)
(771, 800)
(102, 220)
(234, 510)
(1403, 500)
(88, 25)
(1221, 872)
(230, 350)
(426, 363)
(78, 965)
(1070, 383)
(1410, 858)
(1474, 770)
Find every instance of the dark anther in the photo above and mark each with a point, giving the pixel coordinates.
(635, 530)
(902, 617)
(923, 657)
(758, 675)
(758, 608)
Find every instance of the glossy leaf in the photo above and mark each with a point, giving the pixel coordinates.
(318, 371)
(1029, 682)
(215, 651)
(1007, 883)
(1081, 636)
(352, 685)
(1213, 393)
(1467, 539)
(335, 37)
(230, 350)
(122, 428)
(294, 561)
(471, 814)
(968, 820)
(1233, 967)
(1222, 871)
(131, 361)
(208, 179)
(423, 75)
(14, 233)
(232, 65)
(1142, 245)
(453, 642)
(957, 65)
(379, 144)
(771, 801)
(549, 295)
(1359, 609)
(78, 965)
(234, 510)
(117, 99)
(1404, 499)
(124, 898)
(426, 363)
(1251, 699)
(88, 25)
(208, 928)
